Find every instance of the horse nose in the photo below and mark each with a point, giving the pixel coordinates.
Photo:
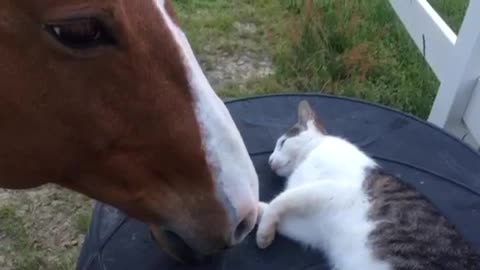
(244, 226)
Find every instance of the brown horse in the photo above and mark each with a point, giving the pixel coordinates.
(105, 97)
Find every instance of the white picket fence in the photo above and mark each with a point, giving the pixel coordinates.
(455, 61)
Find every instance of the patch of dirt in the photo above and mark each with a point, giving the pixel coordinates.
(236, 66)
(44, 228)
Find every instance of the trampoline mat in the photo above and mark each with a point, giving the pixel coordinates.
(438, 165)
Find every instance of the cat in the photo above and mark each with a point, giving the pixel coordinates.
(339, 200)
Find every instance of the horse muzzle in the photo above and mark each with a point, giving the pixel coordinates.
(174, 246)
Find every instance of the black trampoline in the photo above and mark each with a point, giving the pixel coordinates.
(437, 164)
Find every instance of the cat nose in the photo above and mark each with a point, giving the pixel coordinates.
(273, 164)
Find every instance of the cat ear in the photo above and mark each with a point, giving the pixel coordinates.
(306, 114)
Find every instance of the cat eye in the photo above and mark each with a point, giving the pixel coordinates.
(81, 34)
(282, 142)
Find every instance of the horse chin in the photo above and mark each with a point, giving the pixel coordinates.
(177, 248)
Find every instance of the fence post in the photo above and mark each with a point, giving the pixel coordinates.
(472, 118)
(463, 71)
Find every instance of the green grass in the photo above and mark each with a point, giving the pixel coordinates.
(352, 48)
(26, 255)
(82, 221)
(210, 27)
(210, 23)
(24, 247)
(452, 11)
(360, 49)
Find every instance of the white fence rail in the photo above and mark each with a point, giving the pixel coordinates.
(454, 60)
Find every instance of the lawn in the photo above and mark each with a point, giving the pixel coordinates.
(343, 47)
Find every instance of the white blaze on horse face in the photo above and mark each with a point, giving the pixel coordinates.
(233, 171)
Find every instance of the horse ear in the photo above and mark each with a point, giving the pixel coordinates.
(307, 114)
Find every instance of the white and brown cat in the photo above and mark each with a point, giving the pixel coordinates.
(338, 200)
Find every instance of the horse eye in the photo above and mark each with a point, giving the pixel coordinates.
(85, 33)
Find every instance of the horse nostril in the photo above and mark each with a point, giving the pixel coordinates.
(243, 228)
(240, 230)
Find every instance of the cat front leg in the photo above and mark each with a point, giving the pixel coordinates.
(303, 200)
(267, 226)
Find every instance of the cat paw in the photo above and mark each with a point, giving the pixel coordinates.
(265, 238)
(266, 228)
